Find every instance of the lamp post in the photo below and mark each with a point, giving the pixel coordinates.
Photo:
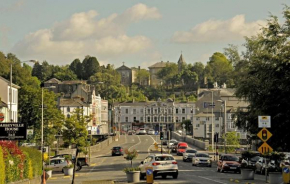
(10, 90)
(225, 122)
(42, 146)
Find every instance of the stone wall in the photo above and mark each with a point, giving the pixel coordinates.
(200, 144)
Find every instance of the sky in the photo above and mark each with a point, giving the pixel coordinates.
(136, 32)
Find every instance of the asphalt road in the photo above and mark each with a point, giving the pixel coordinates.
(106, 167)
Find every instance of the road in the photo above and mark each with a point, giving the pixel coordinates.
(106, 167)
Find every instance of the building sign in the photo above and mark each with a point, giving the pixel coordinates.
(12, 131)
(208, 105)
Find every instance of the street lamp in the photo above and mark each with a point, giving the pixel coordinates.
(225, 122)
(50, 87)
(10, 91)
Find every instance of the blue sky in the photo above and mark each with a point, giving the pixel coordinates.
(139, 33)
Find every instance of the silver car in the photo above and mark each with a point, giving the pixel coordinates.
(202, 159)
(141, 131)
(151, 132)
(188, 154)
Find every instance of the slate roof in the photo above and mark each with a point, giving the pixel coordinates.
(123, 67)
(74, 82)
(53, 80)
(71, 102)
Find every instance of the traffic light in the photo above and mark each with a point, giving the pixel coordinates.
(161, 135)
(264, 134)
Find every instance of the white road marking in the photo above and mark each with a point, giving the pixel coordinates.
(137, 143)
(212, 180)
(189, 170)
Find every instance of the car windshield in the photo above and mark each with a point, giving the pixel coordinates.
(231, 158)
(182, 147)
(202, 155)
(163, 158)
(190, 151)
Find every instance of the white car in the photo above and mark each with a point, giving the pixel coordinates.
(171, 143)
(151, 132)
(57, 164)
(162, 164)
(141, 131)
(201, 159)
(188, 154)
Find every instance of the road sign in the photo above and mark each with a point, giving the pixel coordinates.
(264, 134)
(265, 148)
(286, 170)
(264, 122)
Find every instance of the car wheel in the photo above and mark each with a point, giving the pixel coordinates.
(78, 168)
(209, 166)
(142, 176)
(175, 175)
(164, 176)
(184, 160)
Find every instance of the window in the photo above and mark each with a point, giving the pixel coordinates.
(176, 111)
(155, 111)
(134, 111)
(162, 118)
(158, 109)
(217, 125)
(176, 120)
(148, 111)
(169, 119)
(210, 128)
(165, 120)
(183, 118)
(68, 109)
(155, 119)
(148, 119)
(169, 111)
(141, 111)
(183, 111)
(134, 119)
(217, 118)
(197, 125)
(197, 118)
(141, 118)
(126, 119)
(127, 111)
(207, 118)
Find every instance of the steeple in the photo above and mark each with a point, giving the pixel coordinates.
(181, 62)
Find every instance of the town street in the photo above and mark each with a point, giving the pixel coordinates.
(106, 167)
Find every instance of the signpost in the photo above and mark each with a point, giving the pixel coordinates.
(13, 131)
(264, 122)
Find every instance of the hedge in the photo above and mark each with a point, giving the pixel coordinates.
(2, 167)
(35, 158)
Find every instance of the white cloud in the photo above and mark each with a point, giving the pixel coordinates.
(84, 34)
(233, 29)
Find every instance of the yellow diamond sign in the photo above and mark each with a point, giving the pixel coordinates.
(264, 134)
(265, 148)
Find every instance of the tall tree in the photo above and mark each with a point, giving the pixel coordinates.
(90, 66)
(77, 67)
(266, 80)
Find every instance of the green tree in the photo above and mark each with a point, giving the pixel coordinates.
(219, 70)
(169, 74)
(75, 133)
(266, 80)
(142, 76)
(232, 139)
(90, 66)
(77, 67)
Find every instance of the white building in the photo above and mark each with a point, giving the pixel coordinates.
(11, 99)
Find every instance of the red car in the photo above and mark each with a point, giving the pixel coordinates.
(228, 163)
(181, 148)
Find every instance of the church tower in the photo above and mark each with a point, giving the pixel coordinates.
(181, 63)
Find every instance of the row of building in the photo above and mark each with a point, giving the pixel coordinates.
(213, 112)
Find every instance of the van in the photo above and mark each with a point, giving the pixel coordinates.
(181, 148)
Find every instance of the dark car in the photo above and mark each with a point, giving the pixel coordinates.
(82, 161)
(229, 162)
(117, 150)
(174, 147)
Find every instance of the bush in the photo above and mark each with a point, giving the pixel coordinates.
(2, 167)
(28, 170)
(35, 158)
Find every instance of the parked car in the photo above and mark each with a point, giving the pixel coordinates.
(151, 132)
(117, 150)
(239, 150)
(188, 154)
(202, 159)
(82, 161)
(130, 132)
(57, 164)
(252, 162)
(162, 164)
(228, 162)
(262, 163)
(141, 131)
(181, 147)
